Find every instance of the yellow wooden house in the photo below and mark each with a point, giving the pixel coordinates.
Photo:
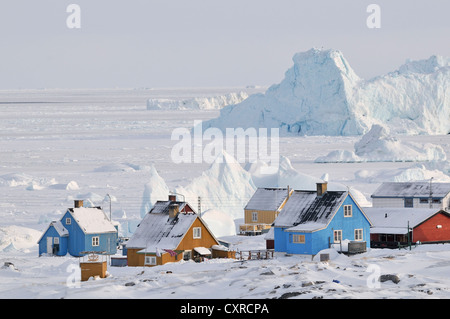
(170, 232)
(262, 210)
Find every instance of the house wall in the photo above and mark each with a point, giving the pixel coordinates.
(107, 243)
(399, 202)
(428, 231)
(76, 240)
(51, 232)
(136, 259)
(188, 242)
(264, 216)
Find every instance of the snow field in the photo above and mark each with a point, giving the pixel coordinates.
(87, 144)
(422, 272)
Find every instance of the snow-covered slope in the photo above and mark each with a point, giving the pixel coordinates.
(322, 95)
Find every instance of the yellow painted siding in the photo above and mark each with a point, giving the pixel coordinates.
(264, 216)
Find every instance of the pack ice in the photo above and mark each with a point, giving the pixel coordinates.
(322, 95)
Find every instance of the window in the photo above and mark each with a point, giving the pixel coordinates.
(150, 260)
(197, 232)
(424, 200)
(298, 239)
(254, 216)
(68, 221)
(409, 202)
(358, 234)
(187, 255)
(347, 210)
(337, 234)
(56, 240)
(95, 241)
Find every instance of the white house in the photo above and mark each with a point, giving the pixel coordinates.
(413, 195)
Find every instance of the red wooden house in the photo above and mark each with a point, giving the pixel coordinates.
(390, 226)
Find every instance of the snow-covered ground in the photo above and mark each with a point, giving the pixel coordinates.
(61, 145)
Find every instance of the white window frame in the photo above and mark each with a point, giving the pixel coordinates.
(150, 260)
(95, 241)
(337, 236)
(348, 210)
(359, 234)
(298, 239)
(197, 232)
(254, 216)
(68, 221)
(56, 240)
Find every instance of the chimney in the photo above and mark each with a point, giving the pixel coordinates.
(173, 198)
(173, 210)
(78, 203)
(288, 192)
(321, 188)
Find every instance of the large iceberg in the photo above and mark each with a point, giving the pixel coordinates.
(322, 95)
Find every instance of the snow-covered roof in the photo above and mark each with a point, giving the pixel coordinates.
(60, 229)
(306, 211)
(92, 220)
(158, 230)
(395, 220)
(267, 199)
(412, 189)
(270, 235)
(202, 250)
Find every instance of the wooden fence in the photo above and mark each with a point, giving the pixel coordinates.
(254, 254)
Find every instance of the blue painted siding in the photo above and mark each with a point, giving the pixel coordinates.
(107, 242)
(78, 241)
(319, 240)
(51, 232)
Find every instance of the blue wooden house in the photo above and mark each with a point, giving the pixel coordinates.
(80, 230)
(315, 220)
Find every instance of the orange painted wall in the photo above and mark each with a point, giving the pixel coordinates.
(189, 242)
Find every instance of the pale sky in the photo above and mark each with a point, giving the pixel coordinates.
(206, 43)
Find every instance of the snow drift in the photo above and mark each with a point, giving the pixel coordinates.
(322, 95)
(197, 103)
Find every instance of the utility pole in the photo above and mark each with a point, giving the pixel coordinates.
(109, 207)
(409, 237)
(431, 194)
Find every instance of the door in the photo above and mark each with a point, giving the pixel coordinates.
(49, 245)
